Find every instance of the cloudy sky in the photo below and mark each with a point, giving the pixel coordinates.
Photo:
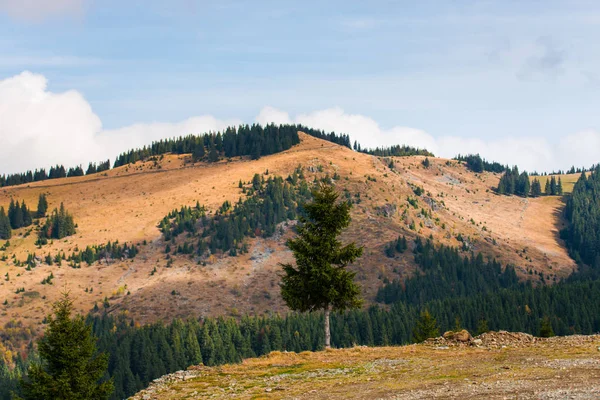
(517, 81)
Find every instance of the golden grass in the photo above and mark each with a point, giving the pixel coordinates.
(126, 204)
(567, 180)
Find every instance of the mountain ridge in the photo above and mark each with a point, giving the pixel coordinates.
(126, 204)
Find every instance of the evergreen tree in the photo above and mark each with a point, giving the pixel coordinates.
(26, 214)
(5, 229)
(513, 182)
(425, 328)
(42, 207)
(559, 187)
(546, 328)
(213, 155)
(553, 187)
(58, 225)
(583, 213)
(69, 366)
(547, 190)
(15, 214)
(198, 153)
(523, 185)
(482, 326)
(536, 188)
(320, 280)
(476, 164)
(92, 169)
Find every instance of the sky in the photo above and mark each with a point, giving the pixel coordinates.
(516, 81)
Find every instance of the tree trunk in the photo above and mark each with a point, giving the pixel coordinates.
(327, 330)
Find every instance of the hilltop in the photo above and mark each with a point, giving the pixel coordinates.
(495, 365)
(393, 196)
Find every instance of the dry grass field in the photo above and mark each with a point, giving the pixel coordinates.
(568, 181)
(126, 204)
(556, 368)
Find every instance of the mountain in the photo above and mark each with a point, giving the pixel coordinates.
(393, 196)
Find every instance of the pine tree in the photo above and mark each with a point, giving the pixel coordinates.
(42, 207)
(15, 214)
(546, 328)
(553, 188)
(547, 190)
(213, 156)
(58, 225)
(198, 152)
(559, 187)
(5, 229)
(425, 328)
(26, 214)
(69, 366)
(482, 326)
(536, 188)
(320, 280)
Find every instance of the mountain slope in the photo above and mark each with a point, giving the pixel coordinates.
(126, 204)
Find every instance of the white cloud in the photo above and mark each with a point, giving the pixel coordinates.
(39, 128)
(38, 10)
(361, 128)
(272, 115)
(582, 147)
(529, 153)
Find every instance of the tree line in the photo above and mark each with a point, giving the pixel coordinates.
(395, 151)
(245, 140)
(20, 216)
(58, 225)
(107, 252)
(583, 213)
(445, 273)
(513, 182)
(570, 171)
(475, 163)
(268, 203)
(55, 172)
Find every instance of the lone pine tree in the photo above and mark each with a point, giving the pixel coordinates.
(5, 228)
(320, 280)
(42, 207)
(70, 367)
(425, 328)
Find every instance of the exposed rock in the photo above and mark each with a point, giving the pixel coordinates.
(387, 210)
(432, 203)
(461, 336)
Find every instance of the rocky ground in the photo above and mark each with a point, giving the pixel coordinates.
(495, 365)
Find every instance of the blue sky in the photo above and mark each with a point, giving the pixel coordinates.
(456, 76)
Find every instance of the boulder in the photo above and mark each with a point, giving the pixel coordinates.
(460, 336)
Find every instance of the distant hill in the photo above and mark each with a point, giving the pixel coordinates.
(392, 196)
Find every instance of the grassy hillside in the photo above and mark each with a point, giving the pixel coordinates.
(127, 203)
(496, 366)
(568, 181)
